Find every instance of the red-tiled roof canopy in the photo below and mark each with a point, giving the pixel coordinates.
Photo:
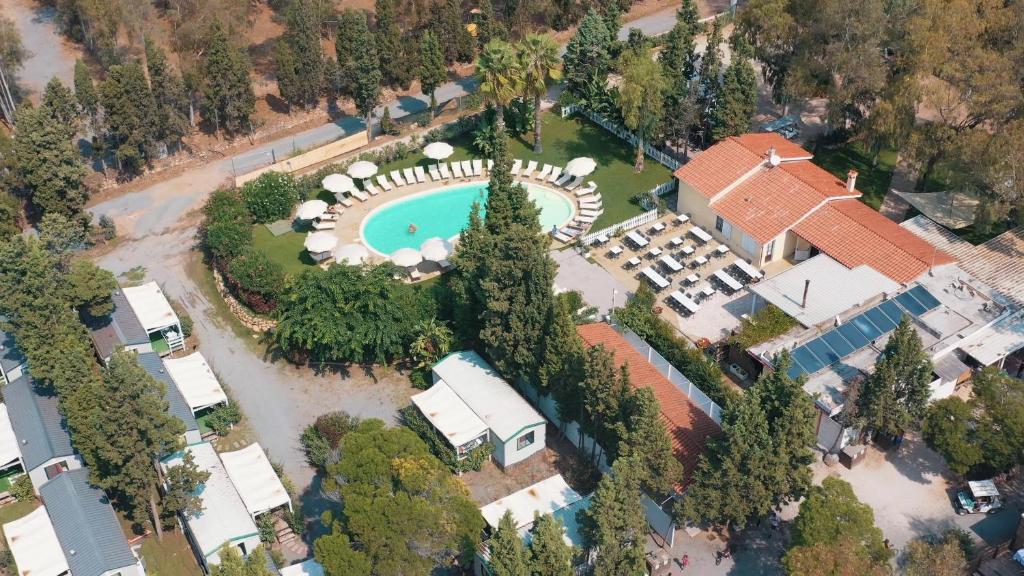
(688, 427)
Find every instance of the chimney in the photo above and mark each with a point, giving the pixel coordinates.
(773, 158)
(807, 287)
(851, 180)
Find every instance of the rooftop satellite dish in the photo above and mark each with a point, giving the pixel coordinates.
(773, 158)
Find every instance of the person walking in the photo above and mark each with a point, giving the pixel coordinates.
(684, 561)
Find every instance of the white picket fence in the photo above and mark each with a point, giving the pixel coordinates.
(663, 158)
(635, 221)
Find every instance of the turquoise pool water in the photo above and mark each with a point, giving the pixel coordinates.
(445, 213)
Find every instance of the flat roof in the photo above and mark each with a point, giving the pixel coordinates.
(544, 497)
(996, 342)
(196, 381)
(224, 517)
(255, 479)
(834, 289)
(33, 543)
(176, 404)
(487, 394)
(449, 414)
(150, 306)
(308, 568)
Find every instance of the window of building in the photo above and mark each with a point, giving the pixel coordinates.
(750, 246)
(769, 250)
(53, 470)
(524, 441)
(723, 226)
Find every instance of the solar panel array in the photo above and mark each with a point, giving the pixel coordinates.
(858, 332)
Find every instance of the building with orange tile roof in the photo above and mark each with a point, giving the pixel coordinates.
(762, 195)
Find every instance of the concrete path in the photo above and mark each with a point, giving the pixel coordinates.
(894, 207)
(599, 288)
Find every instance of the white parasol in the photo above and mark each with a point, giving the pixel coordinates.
(435, 249)
(438, 150)
(362, 169)
(311, 209)
(580, 166)
(318, 242)
(338, 183)
(406, 257)
(352, 253)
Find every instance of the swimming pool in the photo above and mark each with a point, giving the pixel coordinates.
(445, 213)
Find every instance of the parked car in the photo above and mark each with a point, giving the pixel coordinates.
(978, 497)
(789, 131)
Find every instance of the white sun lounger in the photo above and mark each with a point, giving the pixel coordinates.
(443, 169)
(544, 172)
(421, 176)
(467, 168)
(340, 197)
(362, 196)
(516, 166)
(383, 181)
(434, 174)
(530, 167)
(589, 188)
(594, 213)
(585, 219)
(478, 168)
(397, 177)
(457, 170)
(574, 184)
(563, 238)
(591, 198)
(563, 179)
(409, 175)
(556, 171)
(590, 206)
(373, 190)
(325, 225)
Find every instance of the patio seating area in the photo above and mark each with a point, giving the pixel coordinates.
(699, 282)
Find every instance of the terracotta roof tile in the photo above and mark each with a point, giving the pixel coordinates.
(759, 143)
(768, 203)
(854, 234)
(688, 427)
(719, 166)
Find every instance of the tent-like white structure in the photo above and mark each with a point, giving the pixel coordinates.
(196, 381)
(224, 517)
(307, 568)
(10, 454)
(254, 478)
(151, 307)
(34, 545)
(450, 415)
(544, 497)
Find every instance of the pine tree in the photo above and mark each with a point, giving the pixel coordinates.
(366, 87)
(549, 554)
(433, 72)
(393, 66)
(488, 27)
(288, 82)
(678, 62)
(562, 354)
(456, 41)
(709, 77)
(130, 112)
(736, 100)
(894, 397)
(47, 164)
(228, 99)
(587, 58)
(303, 38)
(615, 526)
(508, 555)
(646, 441)
(181, 494)
(61, 102)
(85, 90)
(832, 514)
(170, 94)
(335, 553)
(132, 432)
(791, 425)
(351, 27)
(604, 396)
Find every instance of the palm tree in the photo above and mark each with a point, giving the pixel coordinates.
(539, 62)
(498, 72)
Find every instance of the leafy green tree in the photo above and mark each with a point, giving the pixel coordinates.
(61, 235)
(60, 101)
(736, 101)
(226, 231)
(47, 165)
(228, 98)
(132, 432)
(508, 555)
(455, 40)
(85, 90)
(351, 28)
(641, 100)
(233, 564)
(10, 215)
(402, 505)
(614, 525)
(271, 196)
(831, 515)
(942, 557)
(433, 72)
(549, 553)
(948, 429)
(89, 288)
(894, 397)
(587, 57)
(499, 74)
(170, 94)
(130, 110)
(646, 441)
(433, 342)
(335, 553)
(538, 62)
(181, 484)
(302, 37)
(842, 558)
(368, 76)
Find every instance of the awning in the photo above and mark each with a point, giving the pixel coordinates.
(196, 381)
(990, 346)
(307, 568)
(254, 478)
(950, 368)
(455, 420)
(544, 497)
(9, 452)
(34, 545)
(150, 306)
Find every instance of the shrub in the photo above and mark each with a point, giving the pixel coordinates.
(184, 318)
(256, 279)
(21, 488)
(317, 448)
(227, 229)
(270, 197)
(387, 125)
(108, 230)
(765, 324)
(439, 447)
(223, 418)
(278, 557)
(335, 425)
(265, 526)
(296, 519)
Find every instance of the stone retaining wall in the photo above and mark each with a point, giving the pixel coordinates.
(247, 318)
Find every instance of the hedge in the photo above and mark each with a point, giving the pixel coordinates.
(412, 419)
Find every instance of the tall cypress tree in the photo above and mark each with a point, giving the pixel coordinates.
(61, 102)
(488, 27)
(587, 58)
(170, 94)
(366, 87)
(228, 99)
(47, 164)
(791, 424)
(549, 554)
(350, 29)
(303, 38)
(455, 39)
(130, 113)
(432, 69)
(736, 101)
(85, 90)
(289, 85)
(710, 72)
(614, 526)
(393, 65)
(894, 397)
(646, 441)
(508, 555)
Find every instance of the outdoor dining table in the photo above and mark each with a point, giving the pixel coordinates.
(700, 234)
(750, 271)
(658, 227)
(722, 249)
(654, 252)
(637, 239)
(708, 291)
(671, 263)
(616, 250)
(728, 280)
(700, 260)
(633, 262)
(684, 301)
(688, 250)
(692, 279)
(602, 239)
(655, 278)
(676, 242)
(682, 219)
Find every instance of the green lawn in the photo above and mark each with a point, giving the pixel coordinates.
(15, 510)
(872, 180)
(170, 556)
(286, 249)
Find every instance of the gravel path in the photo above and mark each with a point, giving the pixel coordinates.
(51, 55)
